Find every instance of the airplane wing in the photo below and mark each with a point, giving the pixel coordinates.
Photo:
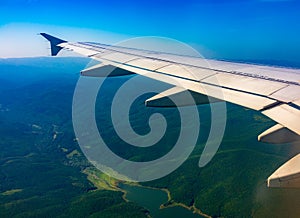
(273, 91)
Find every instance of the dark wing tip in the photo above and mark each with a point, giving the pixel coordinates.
(54, 42)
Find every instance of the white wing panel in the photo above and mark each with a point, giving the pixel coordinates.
(200, 73)
(246, 84)
(287, 176)
(226, 66)
(289, 94)
(192, 73)
(148, 64)
(119, 57)
(80, 50)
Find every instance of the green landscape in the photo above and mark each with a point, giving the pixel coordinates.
(43, 172)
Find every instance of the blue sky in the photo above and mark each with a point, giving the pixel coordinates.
(244, 29)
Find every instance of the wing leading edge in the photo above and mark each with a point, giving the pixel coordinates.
(273, 91)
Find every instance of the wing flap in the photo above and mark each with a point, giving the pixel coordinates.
(285, 115)
(247, 100)
(286, 176)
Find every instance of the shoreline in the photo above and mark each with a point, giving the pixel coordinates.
(114, 186)
(192, 208)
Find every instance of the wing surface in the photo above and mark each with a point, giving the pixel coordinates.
(274, 91)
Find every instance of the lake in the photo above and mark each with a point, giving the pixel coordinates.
(151, 199)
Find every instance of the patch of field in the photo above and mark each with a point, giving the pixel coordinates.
(101, 180)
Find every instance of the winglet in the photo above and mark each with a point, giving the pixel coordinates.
(54, 42)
